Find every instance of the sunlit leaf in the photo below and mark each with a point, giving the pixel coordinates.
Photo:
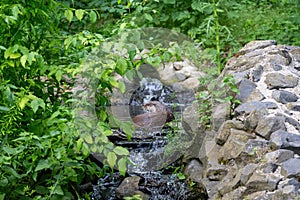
(148, 17)
(23, 102)
(23, 60)
(58, 190)
(14, 55)
(69, 15)
(121, 65)
(122, 167)
(79, 14)
(111, 159)
(121, 151)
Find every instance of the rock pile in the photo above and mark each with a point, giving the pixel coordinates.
(255, 155)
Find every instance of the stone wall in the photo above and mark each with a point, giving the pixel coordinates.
(255, 155)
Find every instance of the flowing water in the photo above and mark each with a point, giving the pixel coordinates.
(155, 153)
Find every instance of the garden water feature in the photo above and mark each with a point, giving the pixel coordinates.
(155, 153)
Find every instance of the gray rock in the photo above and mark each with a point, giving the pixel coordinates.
(247, 172)
(236, 194)
(294, 106)
(128, 187)
(263, 181)
(259, 195)
(194, 171)
(279, 156)
(255, 45)
(225, 130)
(253, 118)
(284, 96)
(254, 150)
(256, 73)
(268, 125)
(246, 88)
(277, 67)
(248, 107)
(278, 80)
(216, 173)
(285, 140)
(235, 144)
(220, 114)
(290, 168)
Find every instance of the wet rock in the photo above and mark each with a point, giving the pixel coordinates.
(277, 67)
(194, 171)
(279, 156)
(278, 80)
(290, 168)
(225, 130)
(285, 140)
(284, 96)
(268, 125)
(247, 172)
(128, 187)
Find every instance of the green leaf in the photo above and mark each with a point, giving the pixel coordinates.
(24, 59)
(93, 16)
(69, 15)
(169, 1)
(10, 171)
(36, 103)
(79, 144)
(14, 55)
(111, 159)
(122, 87)
(79, 14)
(121, 66)
(23, 102)
(43, 164)
(58, 190)
(121, 151)
(148, 17)
(85, 149)
(88, 139)
(122, 167)
(128, 129)
(58, 75)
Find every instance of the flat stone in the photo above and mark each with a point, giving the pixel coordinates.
(220, 114)
(248, 107)
(263, 181)
(278, 80)
(255, 45)
(290, 168)
(268, 125)
(253, 118)
(235, 144)
(128, 187)
(279, 156)
(284, 96)
(225, 130)
(216, 173)
(246, 88)
(194, 171)
(284, 140)
(247, 172)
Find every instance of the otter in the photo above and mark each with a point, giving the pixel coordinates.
(157, 114)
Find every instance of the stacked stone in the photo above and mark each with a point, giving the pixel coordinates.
(256, 155)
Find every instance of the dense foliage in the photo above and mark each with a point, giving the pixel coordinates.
(44, 42)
